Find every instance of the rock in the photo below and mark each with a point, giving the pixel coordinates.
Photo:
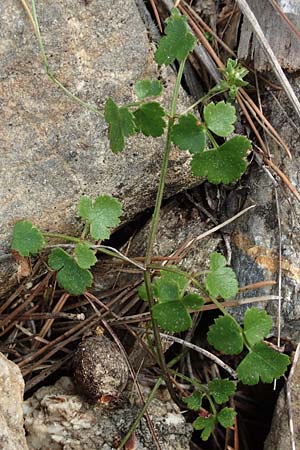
(56, 417)
(100, 369)
(12, 433)
(279, 35)
(256, 237)
(279, 437)
(52, 149)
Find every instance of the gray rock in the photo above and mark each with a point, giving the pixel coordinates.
(52, 150)
(279, 437)
(256, 239)
(12, 433)
(56, 417)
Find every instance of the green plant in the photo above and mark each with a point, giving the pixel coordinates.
(73, 272)
(174, 294)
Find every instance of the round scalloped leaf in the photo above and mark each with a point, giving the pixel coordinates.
(102, 215)
(194, 401)
(257, 325)
(226, 335)
(262, 363)
(148, 88)
(221, 281)
(172, 316)
(149, 119)
(84, 256)
(167, 291)
(188, 134)
(178, 41)
(70, 276)
(166, 275)
(207, 424)
(193, 301)
(220, 117)
(121, 124)
(224, 164)
(27, 238)
(226, 417)
(221, 390)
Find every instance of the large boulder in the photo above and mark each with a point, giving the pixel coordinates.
(52, 149)
(12, 433)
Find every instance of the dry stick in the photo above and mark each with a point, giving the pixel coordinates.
(284, 178)
(216, 228)
(156, 15)
(46, 327)
(234, 303)
(285, 19)
(45, 316)
(202, 351)
(244, 94)
(279, 271)
(289, 400)
(246, 10)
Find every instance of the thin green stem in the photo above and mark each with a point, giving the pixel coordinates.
(200, 387)
(141, 413)
(207, 96)
(164, 166)
(34, 19)
(147, 403)
(153, 230)
(64, 237)
(211, 138)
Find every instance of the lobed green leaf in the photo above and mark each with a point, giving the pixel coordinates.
(167, 291)
(84, 256)
(178, 41)
(220, 117)
(226, 417)
(207, 424)
(148, 88)
(149, 119)
(224, 164)
(193, 301)
(189, 134)
(262, 363)
(194, 401)
(257, 325)
(27, 238)
(121, 125)
(70, 276)
(166, 275)
(172, 316)
(221, 281)
(226, 335)
(102, 215)
(221, 390)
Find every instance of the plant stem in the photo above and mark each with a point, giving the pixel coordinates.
(164, 166)
(207, 96)
(141, 413)
(153, 230)
(34, 20)
(64, 237)
(211, 138)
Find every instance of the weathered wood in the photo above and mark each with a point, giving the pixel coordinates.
(283, 41)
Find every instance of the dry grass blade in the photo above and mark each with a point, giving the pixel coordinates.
(246, 10)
